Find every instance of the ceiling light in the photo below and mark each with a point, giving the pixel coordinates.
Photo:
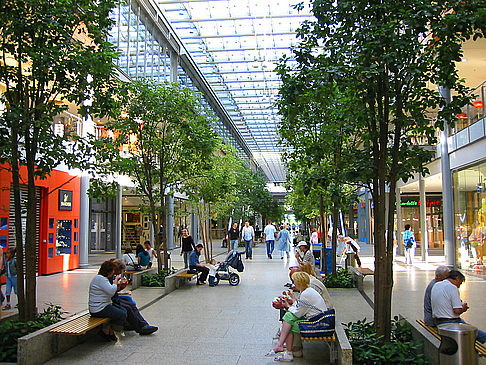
(464, 60)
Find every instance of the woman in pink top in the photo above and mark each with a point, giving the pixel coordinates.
(314, 236)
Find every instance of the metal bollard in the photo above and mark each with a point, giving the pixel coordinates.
(457, 344)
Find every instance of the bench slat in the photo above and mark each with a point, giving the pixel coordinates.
(79, 326)
(365, 271)
(480, 348)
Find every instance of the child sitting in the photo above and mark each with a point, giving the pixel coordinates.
(11, 271)
(212, 271)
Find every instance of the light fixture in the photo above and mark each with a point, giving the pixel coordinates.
(462, 116)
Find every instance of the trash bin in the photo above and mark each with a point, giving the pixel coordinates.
(457, 344)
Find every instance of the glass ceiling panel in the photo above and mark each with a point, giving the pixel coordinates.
(236, 44)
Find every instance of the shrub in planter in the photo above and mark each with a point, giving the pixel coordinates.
(342, 279)
(367, 349)
(10, 331)
(158, 279)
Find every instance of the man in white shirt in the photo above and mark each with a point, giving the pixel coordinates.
(269, 235)
(248, 235)
(447, 305)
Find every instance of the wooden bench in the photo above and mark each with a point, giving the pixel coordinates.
(365, 271)
(79, 325)
(186, 275)
(480, 348)
(359, 274)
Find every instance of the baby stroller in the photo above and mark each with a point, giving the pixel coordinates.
(226, 269)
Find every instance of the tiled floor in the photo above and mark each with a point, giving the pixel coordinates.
(234, 325)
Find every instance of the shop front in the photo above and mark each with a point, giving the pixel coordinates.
(469, 186)
(410, 214)
(57, 218)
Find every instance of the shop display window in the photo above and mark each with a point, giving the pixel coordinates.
(75, 250)
(51, 223)
(51, 237)
(64, 237)
(75, 223)
(51, 252)
(3, 223)
(469, 186)
(75, 236)
(3, 240)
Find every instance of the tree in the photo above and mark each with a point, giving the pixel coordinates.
(159, 136)
(48, 50)
(388, 54)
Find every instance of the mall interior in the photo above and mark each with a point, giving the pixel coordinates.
(226, 50)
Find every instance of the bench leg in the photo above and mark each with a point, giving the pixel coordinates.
(332, 352)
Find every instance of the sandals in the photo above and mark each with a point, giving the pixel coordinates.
(284, 357)
(271, 353)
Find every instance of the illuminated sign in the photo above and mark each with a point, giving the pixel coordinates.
(416, 203)
(65, 199)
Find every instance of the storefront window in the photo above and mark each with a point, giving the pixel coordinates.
(63, 237)
(469, 186)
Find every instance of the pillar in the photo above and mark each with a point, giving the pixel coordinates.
(118, 219)
(423, 220)
(170, 222)
(447, 197)
(194, 227)
(84, 222)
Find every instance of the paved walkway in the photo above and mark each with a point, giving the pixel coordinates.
(234, 325)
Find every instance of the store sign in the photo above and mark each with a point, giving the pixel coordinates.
(65, 200)
(416, 203)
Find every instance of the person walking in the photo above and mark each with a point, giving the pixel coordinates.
(187, 246)
(11, 271)
(248, 235)
(409, 245)
(233, 236)
(283, 239)
(269, 235)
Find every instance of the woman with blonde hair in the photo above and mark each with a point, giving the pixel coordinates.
(308, 305)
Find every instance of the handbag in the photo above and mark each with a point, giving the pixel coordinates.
(136, 266)
(320, 325)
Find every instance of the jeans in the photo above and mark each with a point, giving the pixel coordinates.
(203, 270)
(186, 255)
(211, 280)
(248, 249)
(134, 318)
(270, 247)
(234, 245)
(282, 254)
(11, 283)
(481, 334)
(116, 313)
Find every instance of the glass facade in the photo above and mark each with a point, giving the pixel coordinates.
(469, 186)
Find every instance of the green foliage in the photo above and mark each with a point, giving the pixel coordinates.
(342, 279)
(401, 350)
(10, 331)
(158, 279)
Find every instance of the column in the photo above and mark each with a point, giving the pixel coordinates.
(174, 62)
(447, 197)
(118, 218)
(84, 222)
(423, 220)
(194, 227)
(398, 233)
(170, 222)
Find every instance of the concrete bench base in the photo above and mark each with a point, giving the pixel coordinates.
(137, 277)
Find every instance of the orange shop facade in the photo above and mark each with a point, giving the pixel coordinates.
(57, 219)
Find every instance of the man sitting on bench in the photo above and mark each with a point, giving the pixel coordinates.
(440, 274)
(194, 264)
(447, 305)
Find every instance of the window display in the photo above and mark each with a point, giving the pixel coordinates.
(63, 237)
(469, 187)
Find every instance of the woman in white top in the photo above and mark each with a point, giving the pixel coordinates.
(100, 305)
(150, 250)
(129, 259)
(308, 305)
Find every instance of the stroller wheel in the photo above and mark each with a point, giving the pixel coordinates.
(234, 279)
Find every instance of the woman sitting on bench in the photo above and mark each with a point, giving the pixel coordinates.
(100, 293)
(196, 266)
(308, 305)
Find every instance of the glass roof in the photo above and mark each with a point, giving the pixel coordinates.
(235, 44)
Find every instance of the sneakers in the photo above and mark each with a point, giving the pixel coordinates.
(7, 307)
(284, 357)
(147, 330)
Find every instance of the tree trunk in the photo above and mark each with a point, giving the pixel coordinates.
(323, 236)
(335, 220)
(30, 244)
(156, 229)
(19, 245)
(163, 220)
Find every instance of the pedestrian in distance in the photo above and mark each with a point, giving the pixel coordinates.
(283, 239)
(11, 272)
(150, 251)
(248, 236)
(233, 236)
(269, 234)
(409, 245)
(188, 246)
